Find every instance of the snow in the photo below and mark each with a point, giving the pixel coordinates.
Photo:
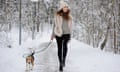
(34, 0)
(11, 60)
(93, 60)
(81, 57)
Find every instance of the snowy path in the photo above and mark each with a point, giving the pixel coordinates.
(81, 58)
(89, 59)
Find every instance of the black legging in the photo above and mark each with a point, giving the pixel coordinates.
(62, 47)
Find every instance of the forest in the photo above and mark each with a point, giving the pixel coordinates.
(95, 22)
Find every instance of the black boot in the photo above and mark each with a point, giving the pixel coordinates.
(63, 63)
(61, 68)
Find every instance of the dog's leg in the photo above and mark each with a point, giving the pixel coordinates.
(32, 64)
(27, 66)
(31, 68)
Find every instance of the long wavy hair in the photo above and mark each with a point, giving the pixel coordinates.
(65, 15)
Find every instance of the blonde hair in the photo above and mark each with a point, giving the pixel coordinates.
(65, 15)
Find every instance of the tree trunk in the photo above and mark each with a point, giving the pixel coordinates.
(20, 25)
(105, 40)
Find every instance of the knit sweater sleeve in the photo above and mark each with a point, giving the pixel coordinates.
(53, 33)
(70, 24)
(53, 29)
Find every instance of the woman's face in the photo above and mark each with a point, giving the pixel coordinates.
(65, 9)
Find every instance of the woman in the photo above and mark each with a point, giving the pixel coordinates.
(62, 32)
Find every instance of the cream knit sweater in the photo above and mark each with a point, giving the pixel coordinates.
(57, 29)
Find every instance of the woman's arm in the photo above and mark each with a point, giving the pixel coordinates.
(53, 34)
(70, 24)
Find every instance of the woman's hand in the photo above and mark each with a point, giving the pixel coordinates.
(52, 37)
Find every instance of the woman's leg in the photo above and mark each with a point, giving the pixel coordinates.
(59, 45)
(66, 39)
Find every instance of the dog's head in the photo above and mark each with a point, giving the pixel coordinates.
(29, 59)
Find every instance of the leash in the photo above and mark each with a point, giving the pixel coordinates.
(36, 52)
(44, 48)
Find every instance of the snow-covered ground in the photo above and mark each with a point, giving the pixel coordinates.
(81, 57)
